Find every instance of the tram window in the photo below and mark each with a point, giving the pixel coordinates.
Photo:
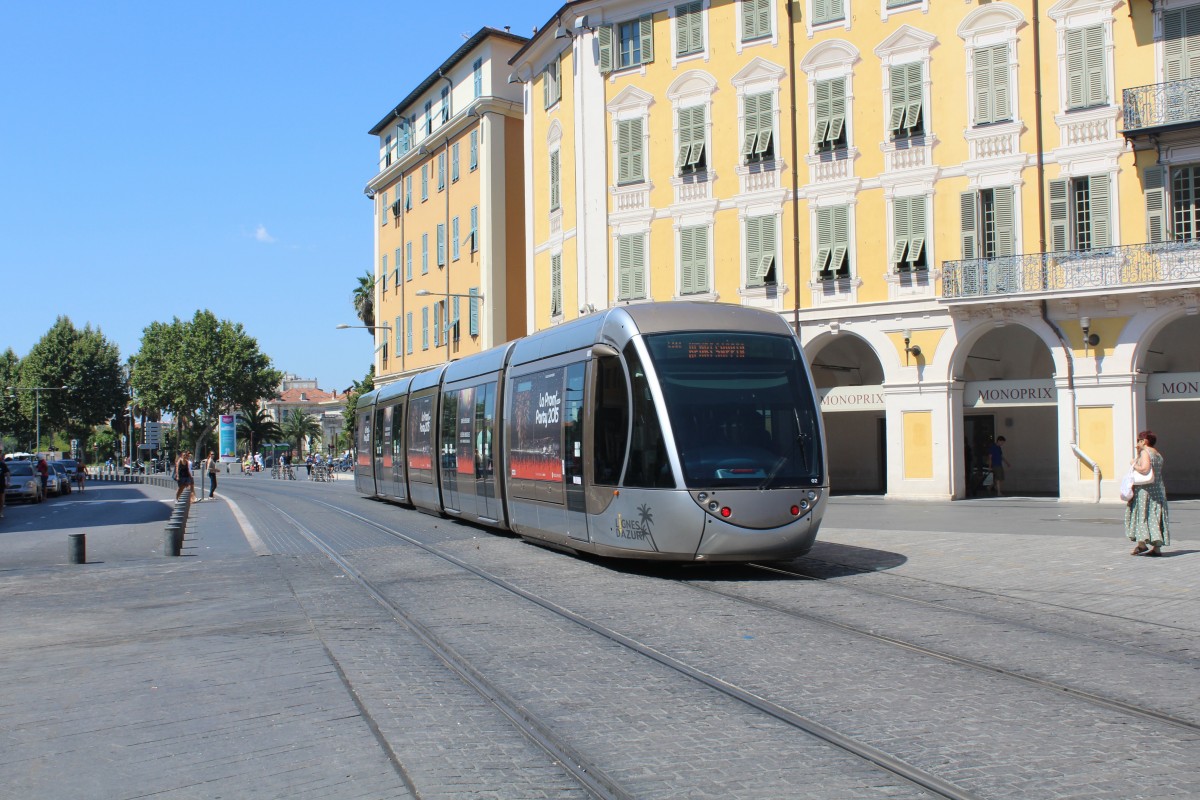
(397, 433)
(648, 463)
(379, 433)
(611, 425)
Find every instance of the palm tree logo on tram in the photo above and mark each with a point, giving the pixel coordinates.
(646, 516)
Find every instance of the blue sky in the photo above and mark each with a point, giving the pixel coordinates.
(159, 158)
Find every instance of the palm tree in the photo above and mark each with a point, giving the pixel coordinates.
(256, 426)
(363, 299)
(298, 428)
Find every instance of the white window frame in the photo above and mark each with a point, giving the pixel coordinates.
(885, 12)
(812, 27)
(1076, 14)
(705, 52)
(772, 39)
(632, 103)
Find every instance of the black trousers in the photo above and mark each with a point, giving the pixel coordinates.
(212, 483)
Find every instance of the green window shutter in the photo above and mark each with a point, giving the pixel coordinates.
(916, 229)
(474, 228)
(454, 238)
(1100, 211)
(546, 92)
(441, 244)
(828, 11)
(1075, 69)
(1154, 189)
(687, 260)
(437, 324)
(824, 242)
(396, 267)
(898, 78)
(646, 34)
(984, 97)
(424, 182)
(384, 273)
(1060, 215)
(1006, 235)
(639, 266)
(383, 208)
(689, 29)
(408, 332)
(900, 230)
(758, 112)
(968, 203)
(556, 285)
(700, 259)
(624, 267)
(912, 115)
(555, 186)
(474, 150)
(1097, 83)
(760, 249)
(408, 192)
(399, 333)
(750, 117)
(474, 311)
(441, 162)
(1175, 66)
(424, 253)
(766, 259)
(605, 35)
(408, 261)
(454, 162)
(822, 111)
(630, 161)
(1002, 99)
(425, 328)
(837, 109)
(839, 263)
(756, 19)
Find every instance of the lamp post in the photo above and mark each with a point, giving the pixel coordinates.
(37, 405)
(384, 327)
(446, 316)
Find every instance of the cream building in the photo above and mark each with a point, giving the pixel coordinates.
(449, 225)
(979, 226)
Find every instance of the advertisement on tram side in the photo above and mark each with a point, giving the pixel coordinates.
(536, 452)
(420, 435)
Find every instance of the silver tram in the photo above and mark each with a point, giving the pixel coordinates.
(676, 431)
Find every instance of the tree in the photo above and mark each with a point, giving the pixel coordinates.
(200, 369)
(256, 426)
(298, 428)
(350, 413)
(363, 299)
(87, 364)
(12, 421)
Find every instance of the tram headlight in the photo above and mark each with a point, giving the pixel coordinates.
(812, 495)
(804, 505)
(713, 505)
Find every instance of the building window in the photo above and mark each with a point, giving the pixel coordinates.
(408, 193)
(399, 334)
(477, 77)
(474, 234)
(389, 150)
(396, 267)
(991, 85)
(428, 117)
(424, 253)
(441, 162)
(555, 180)
(1086, 84)
(691, 156)
(408, 261)
(383, 208)
(441, 244)
(907, 102)
(761, 235)
(383, 275)
(756, 19)
(437, 324)
(556, 285)
(408, 333)
(759, 114)
(551, 85)
(1080, 213)
(824, 11)
(689, 29)
(631, 160)
(1183, 221)
(833, 243)
(474, 150)
(627, 44)
(693, 260)
(424, 182)
(474, 311)
(454, 162)
(829, 130)
(988, 223)
(454, 238)
(631, 267)
(910, 232)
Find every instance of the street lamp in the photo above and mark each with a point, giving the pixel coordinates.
(37, 405)
(384, 327)
(427, 293)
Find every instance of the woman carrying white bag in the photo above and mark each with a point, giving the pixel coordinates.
(1146, 521)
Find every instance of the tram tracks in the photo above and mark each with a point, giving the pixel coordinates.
(601, 785)
(591, 777)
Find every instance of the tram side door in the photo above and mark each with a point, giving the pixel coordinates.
(399, 467)
(573, 461)
(485, 465)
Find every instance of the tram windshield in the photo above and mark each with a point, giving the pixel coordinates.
(741, 409)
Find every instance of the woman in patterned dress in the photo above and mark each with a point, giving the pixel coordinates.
(1146, 521)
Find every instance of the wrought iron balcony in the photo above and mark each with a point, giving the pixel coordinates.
(1172, 104)
(1071, 270)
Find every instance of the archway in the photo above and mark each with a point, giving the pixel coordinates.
(849, 379)
(1173, 401)
(1010, 393)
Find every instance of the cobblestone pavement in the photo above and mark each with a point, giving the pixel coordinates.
(230, 674)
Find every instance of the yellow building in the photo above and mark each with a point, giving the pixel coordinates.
(979, 225)
(449, 212)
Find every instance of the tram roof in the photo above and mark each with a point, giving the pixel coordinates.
(393, 389)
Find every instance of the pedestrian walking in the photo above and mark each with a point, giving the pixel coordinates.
(211, 466)
(43, 469)
(183, 474)
(997, 462)
(1146, 519)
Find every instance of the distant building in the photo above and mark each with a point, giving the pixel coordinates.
(303, 396)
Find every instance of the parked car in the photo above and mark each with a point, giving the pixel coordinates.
(23, 483)
(53, 485)
(64, 478)
(69, 467)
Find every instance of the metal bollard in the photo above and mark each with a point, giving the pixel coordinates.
(173, 539)
(76, 548)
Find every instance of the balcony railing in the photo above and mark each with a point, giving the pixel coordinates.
(1067, 270)
(1162, 105)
